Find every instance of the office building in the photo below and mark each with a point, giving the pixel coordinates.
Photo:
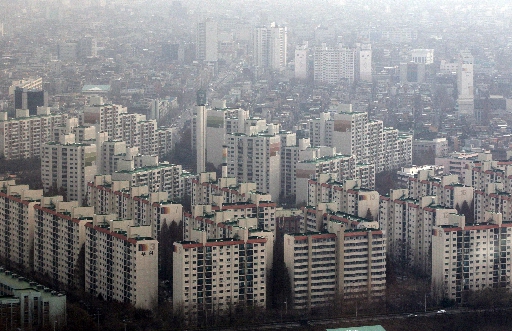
(30, 99)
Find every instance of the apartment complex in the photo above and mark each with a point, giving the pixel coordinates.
(136, 203)
(164, 177)
(134, 129)
(348, 196)
(352, 133)
(256, 158)
(23, 136)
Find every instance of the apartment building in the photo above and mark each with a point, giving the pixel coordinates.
(456, 162)
(121, 262)
(134, 129)
(134, 203)
(337, 263)
(208, 189)
(68, 165)
(164, 177)
(470, 257)
(23, 136)
(348, 196)
(408, 224)
(333, 64)
(256, 215)
(352, 133)
(255, 157)
(17, 220)
(270, 47)
(215, 275)
(59, 234)
(336, 167)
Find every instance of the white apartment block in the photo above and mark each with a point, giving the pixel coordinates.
(163, 177)
(470, 257)
(121, 262)
(218, 274)
(316, 218)
(364, 62)
(256, 213)
(133, 203)
(348, 196)
(256, 158)
(466, 98)
(69, 166)
(134, 129)
(408, 225)
(333, 64)
(339, 263)
(352, 133)
(207, 45)
(446, 189)
(23, 136)
(220, 121)
(492, 181)
(208, 189)
(301, 62)
(413, 172)
(270, 46)
(338, 166)
(17, 224)
(59, 234)
(456, 162)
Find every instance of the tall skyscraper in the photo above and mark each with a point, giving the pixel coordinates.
(466, 98)
(207, 41)
(270, 47)
(200, 131)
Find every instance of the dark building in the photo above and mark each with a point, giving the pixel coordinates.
(30, 99)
